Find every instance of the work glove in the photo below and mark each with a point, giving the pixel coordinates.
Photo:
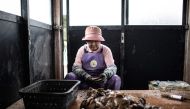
(88, 78)
(103, 78)
(110, 71)
(100, 79)
(91, 79)
(80, 72)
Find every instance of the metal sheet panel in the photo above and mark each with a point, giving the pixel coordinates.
(13, 66)
(153, 54)
(40, 54)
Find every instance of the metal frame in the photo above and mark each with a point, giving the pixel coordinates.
(26, 30)
(125, 27)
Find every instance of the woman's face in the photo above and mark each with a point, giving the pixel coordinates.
(93, 45)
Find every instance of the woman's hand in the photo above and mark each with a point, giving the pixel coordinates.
(101, 79)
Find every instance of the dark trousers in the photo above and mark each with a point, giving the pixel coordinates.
(113, 83)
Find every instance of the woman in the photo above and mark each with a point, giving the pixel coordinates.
(94, 64)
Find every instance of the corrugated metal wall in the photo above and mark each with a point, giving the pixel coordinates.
(22, 63)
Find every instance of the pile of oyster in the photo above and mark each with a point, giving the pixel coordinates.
(107, 99)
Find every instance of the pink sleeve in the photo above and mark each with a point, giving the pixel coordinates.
(78, 57)
(108, 56)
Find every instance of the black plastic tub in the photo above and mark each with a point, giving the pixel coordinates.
(49, 94)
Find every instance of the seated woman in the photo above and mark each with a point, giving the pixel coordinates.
(94, 64)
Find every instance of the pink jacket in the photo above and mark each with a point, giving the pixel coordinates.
(106, 52)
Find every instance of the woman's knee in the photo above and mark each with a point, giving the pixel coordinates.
(71, 76)
(116, 78)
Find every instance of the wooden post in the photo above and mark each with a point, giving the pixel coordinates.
(57, 27)
(186, 75)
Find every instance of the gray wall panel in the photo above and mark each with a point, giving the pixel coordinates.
(41, 54)
(13, 66)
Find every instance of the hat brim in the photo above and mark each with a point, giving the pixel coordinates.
(93, 37)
